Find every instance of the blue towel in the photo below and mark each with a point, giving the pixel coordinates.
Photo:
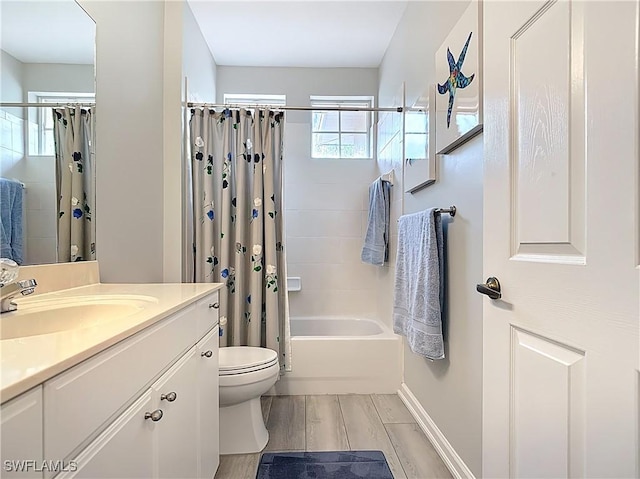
(419, 283)
(376, 243)
(11, 220)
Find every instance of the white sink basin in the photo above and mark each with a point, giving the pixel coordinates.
(44, 316)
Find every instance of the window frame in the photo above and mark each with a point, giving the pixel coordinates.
(254, 99)
(39, 117)
(338, 101)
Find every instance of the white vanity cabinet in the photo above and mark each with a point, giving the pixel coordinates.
(168, 428)
(21, 427)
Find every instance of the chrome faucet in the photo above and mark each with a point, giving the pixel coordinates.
(11, 290)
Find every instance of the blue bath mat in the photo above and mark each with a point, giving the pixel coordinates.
(324, 465)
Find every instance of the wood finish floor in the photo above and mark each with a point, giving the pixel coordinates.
(340, 423)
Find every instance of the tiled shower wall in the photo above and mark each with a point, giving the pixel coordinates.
(326, 204)
(38, 175)
(390, 139)
(326, 201)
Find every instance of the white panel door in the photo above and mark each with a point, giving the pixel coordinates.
(560, 179)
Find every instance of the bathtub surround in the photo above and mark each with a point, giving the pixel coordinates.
(236, 160)
(376, 241)
(456, 410)
(326, 200)
(419, 284)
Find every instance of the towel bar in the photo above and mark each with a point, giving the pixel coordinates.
(451, 210)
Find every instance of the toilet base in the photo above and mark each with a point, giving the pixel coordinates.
(242, 429)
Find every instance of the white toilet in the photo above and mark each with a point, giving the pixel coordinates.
(246, 373)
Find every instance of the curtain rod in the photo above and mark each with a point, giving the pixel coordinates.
(397, 109)
(43, 105)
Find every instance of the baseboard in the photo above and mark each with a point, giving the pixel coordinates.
(446, 451)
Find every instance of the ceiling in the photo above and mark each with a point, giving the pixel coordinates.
(54, 31)
(303, 33)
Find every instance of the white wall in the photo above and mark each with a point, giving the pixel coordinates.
(11, 79)
(200, 70)
(130, 143)
(325, 200)
(198, 64)
(449, 390)
(139, 57)
(56, 77)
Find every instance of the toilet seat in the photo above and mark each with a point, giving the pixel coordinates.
(237, 360)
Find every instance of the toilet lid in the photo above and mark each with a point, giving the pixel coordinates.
(242, 359)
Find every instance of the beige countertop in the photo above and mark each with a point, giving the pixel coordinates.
(28, 361)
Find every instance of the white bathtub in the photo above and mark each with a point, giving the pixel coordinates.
(342, 356)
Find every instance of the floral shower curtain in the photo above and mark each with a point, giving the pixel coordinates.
(75, 183)
(236, 165)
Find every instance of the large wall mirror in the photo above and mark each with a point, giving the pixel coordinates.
(47, 58)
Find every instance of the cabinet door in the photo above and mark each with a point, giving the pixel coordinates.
(208, 406)
(125, 449)
(21, 420)
(175, 394)
(207, 310)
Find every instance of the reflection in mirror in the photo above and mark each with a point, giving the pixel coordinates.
(47, 59)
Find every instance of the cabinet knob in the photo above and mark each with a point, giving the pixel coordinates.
(155, 416)
(207, 354)
(214, 305)
(169, 397)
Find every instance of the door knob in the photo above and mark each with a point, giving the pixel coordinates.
(491, 288)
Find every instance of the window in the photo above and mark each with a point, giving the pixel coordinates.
(341, 134)
(415, 135)
(43, 143)
(254, 99)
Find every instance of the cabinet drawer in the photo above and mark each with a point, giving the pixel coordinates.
(80, 400)
(208, 311)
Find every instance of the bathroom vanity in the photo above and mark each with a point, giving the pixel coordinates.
(133, 395)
